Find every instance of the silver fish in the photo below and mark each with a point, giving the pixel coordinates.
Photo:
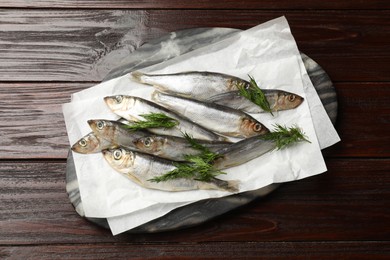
(141, 168)
(91, 143)
(172, 147)
(196, 85)
(131, 108)
(242, 152)
(277, 99)
(217, 118)
(115, 132)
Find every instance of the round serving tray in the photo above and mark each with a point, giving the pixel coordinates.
(168, 47)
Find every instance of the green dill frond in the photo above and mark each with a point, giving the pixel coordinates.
(153, 120)
(208, 175)
(284, 136)
(205, 153)
(255, 94)
(198, 167)
(194, 144)
(183, 170)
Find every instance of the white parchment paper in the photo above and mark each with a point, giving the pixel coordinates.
(268, 53)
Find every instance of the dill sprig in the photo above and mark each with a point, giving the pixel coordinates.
(198, 167)
(284, 136)
(194, 144)
(153, 120)
(254, 94)
(183, 170)
(205, 154)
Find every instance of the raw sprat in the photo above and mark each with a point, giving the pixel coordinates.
(217, 118)
(173, 147)
(213, 87)
(278, 100)
(141, 168)
(91, 143)
(131, 108)
(164, 146)
(208, 164)
(194, 84)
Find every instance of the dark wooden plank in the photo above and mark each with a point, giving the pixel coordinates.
(83, 45)
(72, 45)
(35, 208)
(348, 203)
(200, 4)
(363, 120)
(253, 250)
(32, 125)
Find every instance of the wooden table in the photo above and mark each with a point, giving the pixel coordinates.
(50, 49)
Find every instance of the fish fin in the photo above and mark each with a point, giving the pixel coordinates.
(155, 95)
(134, 179)
(137, 76)
(222, 138)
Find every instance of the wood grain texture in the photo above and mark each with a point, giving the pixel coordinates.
(363, 116)
(252, 250)
(83, 45)
(32, 125)
(200, 4)
(46, 45)
(348, 203)
(75, 45)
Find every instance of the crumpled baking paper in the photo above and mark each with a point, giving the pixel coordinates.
(267, 52)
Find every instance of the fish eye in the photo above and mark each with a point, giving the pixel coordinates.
(100, 125)
(117, 154)
(291, 98)
(118, 99)
(257, 127)
(148, 141)
(83, 142)
(247, 86)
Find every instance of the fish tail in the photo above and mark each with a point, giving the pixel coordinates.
(231, 186)
(138, 76)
